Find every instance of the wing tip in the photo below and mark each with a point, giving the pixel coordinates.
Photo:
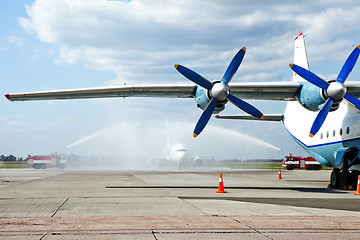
(8, 97)
(217, 116)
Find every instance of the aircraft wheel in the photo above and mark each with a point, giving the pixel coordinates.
(354, 178)
(344, 178)
(335, 178)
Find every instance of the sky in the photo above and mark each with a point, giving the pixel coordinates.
(66, 44)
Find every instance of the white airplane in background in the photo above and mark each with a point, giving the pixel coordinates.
(176, 153)
(334, 141)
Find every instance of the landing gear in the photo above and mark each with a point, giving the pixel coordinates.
(344, 179)
(183, 165)
(354, 178)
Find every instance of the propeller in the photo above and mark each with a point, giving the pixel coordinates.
(219, 91)
(335, 91)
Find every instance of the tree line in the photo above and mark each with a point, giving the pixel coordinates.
(10, 158)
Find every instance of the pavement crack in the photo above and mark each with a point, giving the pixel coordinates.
(42, 237)
(253, 229)
(62, 204)
(153, 233)
(192, 205)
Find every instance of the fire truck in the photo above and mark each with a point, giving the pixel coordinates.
(47, 161)
(291, 162)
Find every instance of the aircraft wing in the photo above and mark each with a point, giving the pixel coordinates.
(268, 117)
(353, 88)
(175, 91)
(259, 90)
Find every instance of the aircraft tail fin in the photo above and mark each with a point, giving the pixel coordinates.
(300, 56)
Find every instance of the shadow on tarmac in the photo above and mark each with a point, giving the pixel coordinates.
(323, 203)
(300, 189)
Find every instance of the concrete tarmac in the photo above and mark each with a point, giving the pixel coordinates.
(74, 204)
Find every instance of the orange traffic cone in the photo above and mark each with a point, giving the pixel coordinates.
(358, 187)
(221, 185)
(279, 177)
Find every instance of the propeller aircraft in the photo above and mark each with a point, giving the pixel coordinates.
(315, 115)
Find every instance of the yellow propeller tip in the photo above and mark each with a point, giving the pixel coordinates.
(262, 117)
(358, 47)
(244, 49)
(311, 135)
(291, 65)
(176, 66)
(195, 135)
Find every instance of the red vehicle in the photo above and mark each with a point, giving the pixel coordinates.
(291, 162)
(48, 161)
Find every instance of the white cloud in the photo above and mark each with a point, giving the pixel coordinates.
(137, 40)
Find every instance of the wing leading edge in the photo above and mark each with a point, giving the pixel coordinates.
(268, 117)
(285, 91)
(174, 91)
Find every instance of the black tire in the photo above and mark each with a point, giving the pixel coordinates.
(290, 167)
(354, 178)
(344, 178)
(335, 178)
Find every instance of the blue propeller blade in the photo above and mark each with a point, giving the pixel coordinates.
(320, 118)
(246, 107)
(233, 66)
(348, 65)
(309, 76)
(354, 101)
(194, 77)
(205, 116)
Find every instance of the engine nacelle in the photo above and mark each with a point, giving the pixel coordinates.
(202, 98)
(310, 97)
(313, 98)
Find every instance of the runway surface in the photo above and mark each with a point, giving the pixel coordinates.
(73, 204)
